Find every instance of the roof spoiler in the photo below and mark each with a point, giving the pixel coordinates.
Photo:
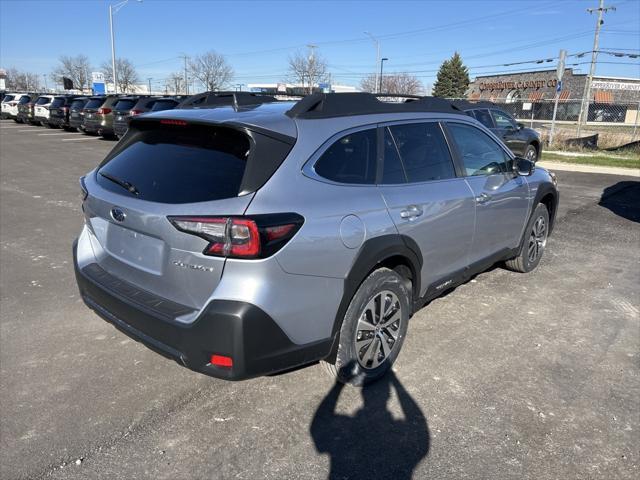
(328, 105)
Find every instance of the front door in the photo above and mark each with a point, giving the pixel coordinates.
(501, 197)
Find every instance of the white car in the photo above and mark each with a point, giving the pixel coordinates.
(41, 109)
(9, 104)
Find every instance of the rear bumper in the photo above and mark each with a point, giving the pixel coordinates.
(58, 121)
(239, 330)
(120, 128)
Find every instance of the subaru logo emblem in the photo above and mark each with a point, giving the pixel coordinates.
(118, 215)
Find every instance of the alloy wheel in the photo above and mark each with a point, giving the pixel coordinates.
(537, 239)
(378, 329)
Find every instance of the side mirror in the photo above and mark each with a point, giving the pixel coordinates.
(524, 167)
(520, 126)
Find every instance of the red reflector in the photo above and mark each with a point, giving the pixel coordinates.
(167, 121)
(274, 233)
(221, 361)
(135, 112)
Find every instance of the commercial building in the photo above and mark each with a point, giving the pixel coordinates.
(613, 99)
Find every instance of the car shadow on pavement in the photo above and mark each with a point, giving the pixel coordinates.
(372, 443)
(623, 199)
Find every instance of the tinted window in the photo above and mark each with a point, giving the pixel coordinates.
(78, 104)
(503, 120)
(480, 154)
(484, 117)
(163, 105)
(24, 99)
(393, 171)
(124, 104)
(424, 152)
(94, 103)
(43, 100)
(57, 102)
(352, 159)
(179, 164)
(8, 98)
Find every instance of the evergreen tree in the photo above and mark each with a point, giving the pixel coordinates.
(453, 78)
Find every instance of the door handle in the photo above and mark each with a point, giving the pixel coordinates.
(483, 198)
(412, 211)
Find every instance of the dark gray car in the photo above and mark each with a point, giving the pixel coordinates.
(522, 141)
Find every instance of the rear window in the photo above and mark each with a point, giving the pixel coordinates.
(8, 98)
(163, 105)
(94, 103)
(175, 164)
(43, 100)
(125, 104)
(78, 104)
(57, 102)
(24, 99)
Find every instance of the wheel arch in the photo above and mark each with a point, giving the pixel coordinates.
(396, 252)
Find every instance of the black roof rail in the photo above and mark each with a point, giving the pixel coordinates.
(221, 99)
(327, 105)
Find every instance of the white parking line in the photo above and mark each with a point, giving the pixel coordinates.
(32, 129)
(81, 138)
(57, 133)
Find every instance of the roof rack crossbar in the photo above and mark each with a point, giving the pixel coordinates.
(328, 105)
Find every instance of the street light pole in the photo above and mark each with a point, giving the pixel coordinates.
(377, 43)
(113, 9)
(382, 60)
(149, 80)
(113, 52)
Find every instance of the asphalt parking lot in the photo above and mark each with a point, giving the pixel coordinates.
(508, 376)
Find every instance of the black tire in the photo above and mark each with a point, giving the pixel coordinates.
(357, 365)
(531, 153)
(534, 242)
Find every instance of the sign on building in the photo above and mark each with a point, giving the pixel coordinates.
(97, 83)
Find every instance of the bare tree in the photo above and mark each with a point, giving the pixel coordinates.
(175, 82)
(21, 81)
(211, 70)
(308, 69)
(126, 72)
(396, 83)
(77, 68)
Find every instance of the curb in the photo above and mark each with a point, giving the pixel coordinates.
(574, 167)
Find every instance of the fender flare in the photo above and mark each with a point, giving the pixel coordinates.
(372, 253)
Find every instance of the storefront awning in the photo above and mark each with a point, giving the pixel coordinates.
(536, 96)
(600, 96)
(564, 96)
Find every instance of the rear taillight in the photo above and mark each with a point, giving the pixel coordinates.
(65, 109)
(135, 112)
(257, 236)
(104, 111)
(168, 121)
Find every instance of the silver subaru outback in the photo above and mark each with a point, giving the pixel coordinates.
(244, 236)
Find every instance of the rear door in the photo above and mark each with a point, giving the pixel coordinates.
(501, 196)
(427, 200)
(168, 170)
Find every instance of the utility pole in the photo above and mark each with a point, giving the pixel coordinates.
(44, 76)
(584, 107)
(149, 80)
(377, 43)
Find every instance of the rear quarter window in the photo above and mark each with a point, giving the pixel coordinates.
(94, 103)
(351, 159)
(43, 100)
(124, 104)
(58, 102)
(174, 164)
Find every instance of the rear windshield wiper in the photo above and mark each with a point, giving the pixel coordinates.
(130, 187)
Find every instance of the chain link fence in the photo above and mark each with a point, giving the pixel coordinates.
(606, 126)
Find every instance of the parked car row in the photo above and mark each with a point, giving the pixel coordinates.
(105, 115)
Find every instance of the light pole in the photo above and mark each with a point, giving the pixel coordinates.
(114, 9)
(377, 43)
(149, 80)
(382, 60)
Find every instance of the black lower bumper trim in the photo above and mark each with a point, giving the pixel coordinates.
(239, 330)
